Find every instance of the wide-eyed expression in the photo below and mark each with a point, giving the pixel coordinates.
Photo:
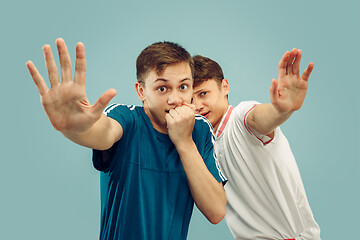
(161, 93)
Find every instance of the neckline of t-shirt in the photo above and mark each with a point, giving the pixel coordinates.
(148, 121)
(224, 122)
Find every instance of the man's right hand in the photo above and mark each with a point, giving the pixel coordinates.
(65, 103)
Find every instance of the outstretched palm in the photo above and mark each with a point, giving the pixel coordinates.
(288, 94)
(65, 103)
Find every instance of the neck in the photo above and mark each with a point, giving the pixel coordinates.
(157, 125)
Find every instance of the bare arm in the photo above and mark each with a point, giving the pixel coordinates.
(208, 194)
(66, 104)
(286, 96)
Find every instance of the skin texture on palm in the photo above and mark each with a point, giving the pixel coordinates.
(286, 95)
(65, 102)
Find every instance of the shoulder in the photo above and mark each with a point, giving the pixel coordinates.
(202, 130)
(244, 108)
(246, 105)
(123, 111)
(117, 108)
(126, 115)
(202, 124)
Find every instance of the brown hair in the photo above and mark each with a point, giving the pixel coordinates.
(158, 56)
(206, 69)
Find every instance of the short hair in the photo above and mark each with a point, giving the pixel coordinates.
(205, 69)
(158, 56)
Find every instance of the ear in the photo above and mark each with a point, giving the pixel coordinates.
(225, 86)
(140, 91)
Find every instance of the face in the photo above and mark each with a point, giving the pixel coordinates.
(164, 92)
(210, 100)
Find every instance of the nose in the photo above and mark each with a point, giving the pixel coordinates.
(175, 98)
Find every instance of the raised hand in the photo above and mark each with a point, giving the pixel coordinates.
(65, 103)
(288, 94)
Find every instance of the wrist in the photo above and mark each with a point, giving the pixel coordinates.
(281, 112)
(185, 146)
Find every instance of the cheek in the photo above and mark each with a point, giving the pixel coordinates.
(158, 100)
(210, 102)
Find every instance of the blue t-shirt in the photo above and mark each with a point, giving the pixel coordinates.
(144, 190)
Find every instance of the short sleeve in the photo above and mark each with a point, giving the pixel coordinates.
(206, 140)
(242, 111)
(123, 114)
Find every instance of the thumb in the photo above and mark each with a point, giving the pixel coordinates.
(274, 90)
(307, 72)
(103, 101)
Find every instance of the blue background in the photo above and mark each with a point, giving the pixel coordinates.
(49, 189)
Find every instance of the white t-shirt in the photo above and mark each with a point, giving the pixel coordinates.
(265, 193)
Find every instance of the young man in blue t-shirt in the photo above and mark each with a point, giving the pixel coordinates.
(155, 160)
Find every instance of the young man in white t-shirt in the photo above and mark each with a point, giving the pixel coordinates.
(266, 196)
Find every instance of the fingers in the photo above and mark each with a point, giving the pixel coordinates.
(51, 66)
(175, 113)
(103, 101)
(274, 91)
(296, 64)
(80, 65)
(306, 74)
(182, 112)
(169, 120)
(65, 61)
(38, 80)
(283, 64)
(289, 66)
(186, 110)
(192, 106)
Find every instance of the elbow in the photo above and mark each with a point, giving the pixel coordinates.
(218, 214)
(214, 214)
(217, 217)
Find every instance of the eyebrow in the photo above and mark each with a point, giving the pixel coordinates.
(200, 90)
(166, 80)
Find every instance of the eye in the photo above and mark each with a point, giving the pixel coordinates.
(161, 89)
(183, 87)
(203, 93)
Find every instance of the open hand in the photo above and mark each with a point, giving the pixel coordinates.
(65, 103)
(288, 94)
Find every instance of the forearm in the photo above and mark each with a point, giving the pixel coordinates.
(264, 118)
(101, 135)
(208, 194)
